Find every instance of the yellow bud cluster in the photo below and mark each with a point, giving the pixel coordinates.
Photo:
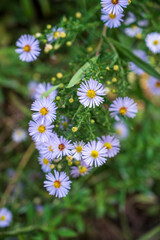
(78, 15)
(68, 43)
(59, 75)
(115, 67)
(74, 129)
(71, 100)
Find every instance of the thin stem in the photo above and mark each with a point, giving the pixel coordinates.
(79, 108)
(152, 234)
(101, 40)
(125, 227)
(25, 230)
(17, 174)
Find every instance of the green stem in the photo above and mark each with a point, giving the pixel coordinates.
(24, 230)
(152, 235)
(78, 110)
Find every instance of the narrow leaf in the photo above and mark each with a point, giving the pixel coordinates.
(66, 232)
(46, 94)
(133, 58)
(78, 75)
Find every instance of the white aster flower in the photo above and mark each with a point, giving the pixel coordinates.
(143, 56)
(44, 87)
(55, 34)
(5, 217)
(94, 153)
(19, 135)
(40, 131)
(115, 6)
(45, 164)
(131, 18)
(48, 149)
(90, 93)
(112, 144)
(133, 31)
(121, 130)
(77, 150)
(111, 20)
(28, 48)
(123, 106)
(154, 85)
(80, 170)
(45, 109)
(62, 147)
(57, 184)
(143, 23)
(153, 42)
(32, 86)
(65, 124)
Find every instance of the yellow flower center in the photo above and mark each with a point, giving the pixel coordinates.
(69, 158)
(50, 149)
(45, 161)
(123, 110)
(65, 124)
(56, 34)
(19, 132)
(57, 184)
(79, 149)
(27, 48)
(3, 218)
(108, 146)
(41, 129)
(82, 169)
(155, 42)
(133, 26)
(139, 35)
(91, 94)
(112, 16)
(43, 111)
(94, 154)
(115, 1)
(118, 131)
(158, 84)
(61, 147)
(62, 34)
(77, 162)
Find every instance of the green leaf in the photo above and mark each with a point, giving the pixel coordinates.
(78, 75)
(66, 232)
(30, 213)
(133, 58)
(28, 8)
(52, 236)
(50, 91)
(57, 220)
(47, 214)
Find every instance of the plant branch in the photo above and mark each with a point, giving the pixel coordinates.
(17, 174)
(152, 234)
(101, 40)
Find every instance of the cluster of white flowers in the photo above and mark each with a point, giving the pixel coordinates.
(133, 29)
(53, 149)
(112, 12)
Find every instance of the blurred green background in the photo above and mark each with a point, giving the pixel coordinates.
(117, 201)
